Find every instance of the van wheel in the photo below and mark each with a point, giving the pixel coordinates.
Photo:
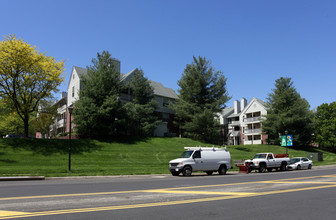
(187, 171)
(222, 170)
(209, 172)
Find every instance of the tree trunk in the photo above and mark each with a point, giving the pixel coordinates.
(26, 126)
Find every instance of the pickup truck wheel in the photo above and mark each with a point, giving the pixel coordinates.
(222, 170)
(174, 173)
(187, 171)
(209, 172)
(262, 168)
(283, 167)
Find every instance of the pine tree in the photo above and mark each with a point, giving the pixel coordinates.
(288, 113)
(140, 111)
(97, 111)
(325, 124)
(202, 95)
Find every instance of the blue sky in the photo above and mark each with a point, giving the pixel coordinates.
(253, 42)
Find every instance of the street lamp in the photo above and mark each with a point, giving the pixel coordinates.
(70, 108)
(286, 132)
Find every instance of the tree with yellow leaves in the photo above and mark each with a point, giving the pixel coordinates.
(27, 76)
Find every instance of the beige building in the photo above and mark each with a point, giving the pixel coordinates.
(162, 95)
(242, 123)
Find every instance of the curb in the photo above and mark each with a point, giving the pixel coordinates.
(19, 178)
(25, 178)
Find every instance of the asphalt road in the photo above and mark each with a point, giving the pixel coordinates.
(305, 194)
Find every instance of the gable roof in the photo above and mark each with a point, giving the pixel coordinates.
(124, 78)
(262, 103)
(227, 111)
(234, 115)
(159, 89)
(80, 71)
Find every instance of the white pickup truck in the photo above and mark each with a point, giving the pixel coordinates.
(267, 161)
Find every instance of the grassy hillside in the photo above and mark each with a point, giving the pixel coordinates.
(113, 157)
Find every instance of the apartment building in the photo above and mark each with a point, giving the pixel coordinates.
(162, 95)
(59, 125)
(242, 123)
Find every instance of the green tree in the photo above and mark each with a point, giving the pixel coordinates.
(45, 117)
(26, 77)
(140, 111)
(325, 124)
(10, 122)
(202, 95)
(288, 112)
(98, 110)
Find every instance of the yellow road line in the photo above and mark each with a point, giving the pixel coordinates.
(307, 177)
(11, 213)
(297, 182)
(119, 207)
(295, 190)
(144, 205)
(176, 188)
(203, 192)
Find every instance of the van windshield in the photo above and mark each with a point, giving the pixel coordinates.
(186, 154)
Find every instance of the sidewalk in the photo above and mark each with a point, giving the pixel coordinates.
(22, 178)
(17, 178)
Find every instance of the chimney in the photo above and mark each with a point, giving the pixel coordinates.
(63, 95)
(116, 64)
(243, 103)
(236, 107)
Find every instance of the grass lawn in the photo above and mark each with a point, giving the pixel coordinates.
(114, 157)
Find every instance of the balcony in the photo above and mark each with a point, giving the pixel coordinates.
(61, 123)
(62, 109)
(253, 131)
(234, 123)
(253, 119)
(234, 134)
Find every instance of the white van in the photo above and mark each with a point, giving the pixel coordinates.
(207, 159)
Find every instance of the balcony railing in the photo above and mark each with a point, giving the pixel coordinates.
(61, 123)
(62, 109)
(250, 131)
(252, 119)
(234, 123)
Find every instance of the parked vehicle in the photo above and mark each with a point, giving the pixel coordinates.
(13, 136)
(207, 159)
(267, 161)
(298, 163)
